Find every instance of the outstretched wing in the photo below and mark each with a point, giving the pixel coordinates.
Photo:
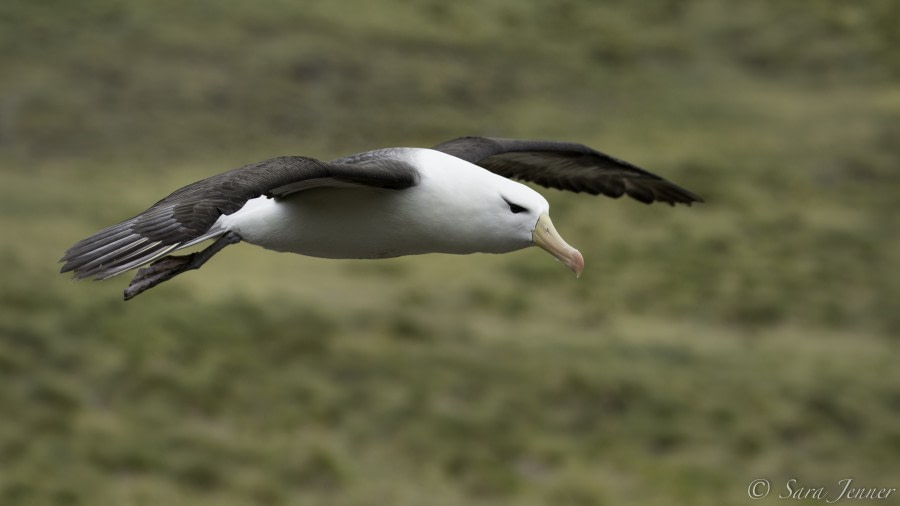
(566, 166)
(186, 217)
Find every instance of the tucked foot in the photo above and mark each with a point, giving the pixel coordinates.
(168, 267)
(159, 271)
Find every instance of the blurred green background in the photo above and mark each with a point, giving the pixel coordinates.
(753, 336)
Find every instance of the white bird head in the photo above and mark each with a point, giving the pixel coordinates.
(479, 211)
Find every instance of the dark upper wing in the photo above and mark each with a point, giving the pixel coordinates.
(566, 166)
(186, 216)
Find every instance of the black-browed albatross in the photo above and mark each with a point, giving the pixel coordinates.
(454, 198)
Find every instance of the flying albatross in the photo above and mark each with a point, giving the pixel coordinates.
(458, 197)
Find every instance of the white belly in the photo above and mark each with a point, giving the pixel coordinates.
(342, 223)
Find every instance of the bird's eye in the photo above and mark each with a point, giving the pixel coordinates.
(515, 208)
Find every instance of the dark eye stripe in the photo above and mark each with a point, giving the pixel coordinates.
(515, 208)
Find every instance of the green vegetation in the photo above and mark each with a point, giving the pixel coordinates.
(753, 336)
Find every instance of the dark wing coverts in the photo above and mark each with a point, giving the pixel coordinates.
(566, 166)
(186, 216)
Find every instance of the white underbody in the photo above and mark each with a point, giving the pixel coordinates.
(456, 207)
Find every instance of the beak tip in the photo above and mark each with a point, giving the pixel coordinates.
(577, 263)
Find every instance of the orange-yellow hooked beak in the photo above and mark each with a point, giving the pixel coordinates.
(546, 236)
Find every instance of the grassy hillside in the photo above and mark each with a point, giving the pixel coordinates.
(753, 336)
